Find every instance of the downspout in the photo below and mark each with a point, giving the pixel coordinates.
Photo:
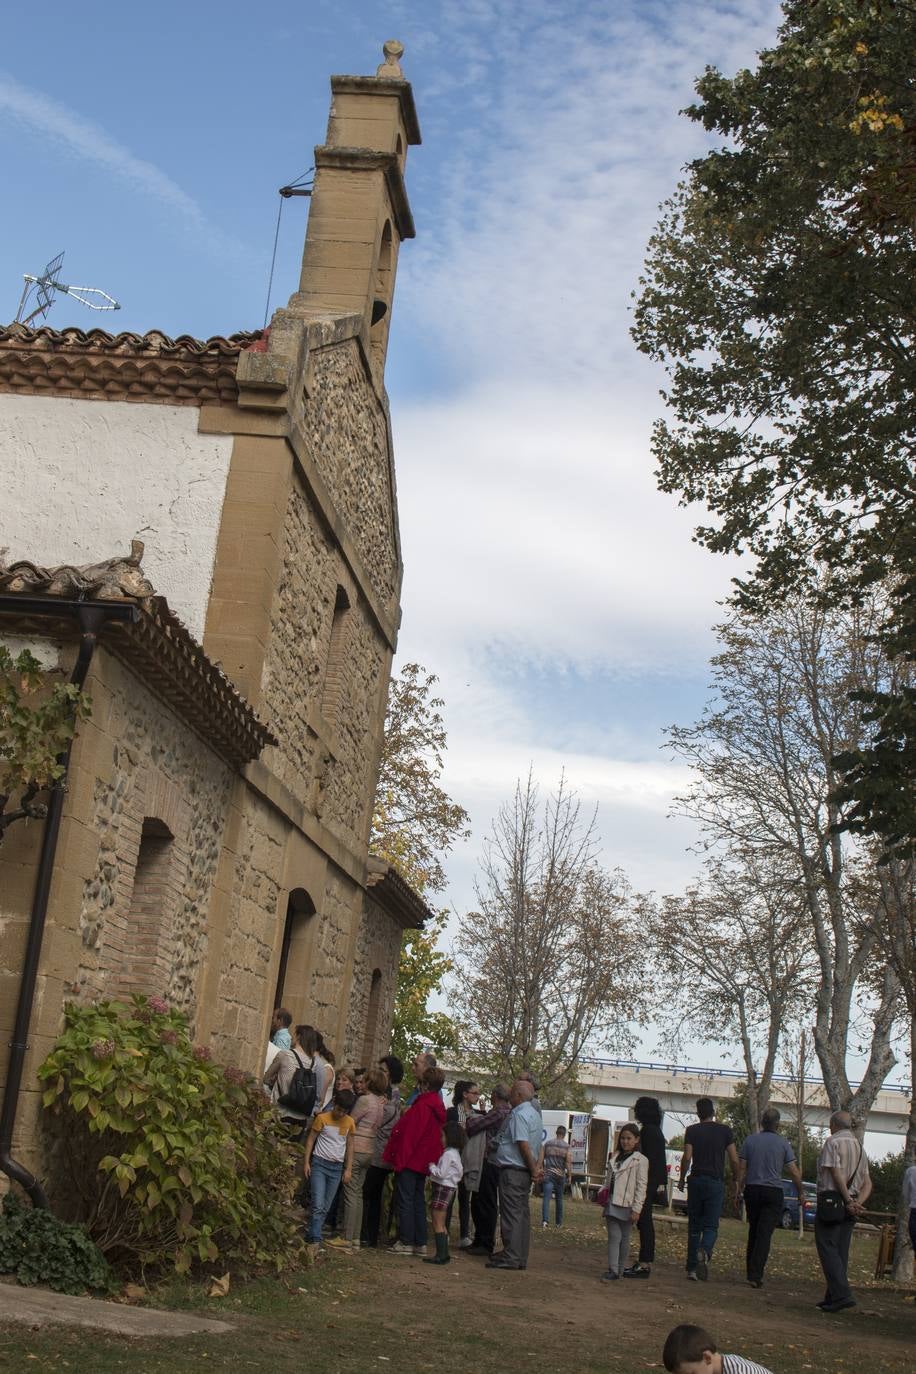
(91, 616)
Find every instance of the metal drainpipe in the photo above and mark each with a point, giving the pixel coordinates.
(91, 616)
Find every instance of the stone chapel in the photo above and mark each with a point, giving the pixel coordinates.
(236, 498)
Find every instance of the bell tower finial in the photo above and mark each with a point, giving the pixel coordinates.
(391, 67)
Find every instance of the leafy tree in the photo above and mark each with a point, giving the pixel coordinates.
(414, 824)
(550, 962)
(778, 294)
(38, 717)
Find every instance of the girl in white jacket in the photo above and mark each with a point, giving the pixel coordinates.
(446, 1174)
(626, 1182)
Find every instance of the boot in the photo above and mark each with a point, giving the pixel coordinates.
(442, 1255)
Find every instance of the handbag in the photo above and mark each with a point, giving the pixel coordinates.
(831, 1207)
(602, 1195)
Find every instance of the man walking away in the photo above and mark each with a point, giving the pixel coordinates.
(648, 1113)
(762, 1160)
(517, 1161)
(557, 1166)
(706, 1144)
(843, 1185)
(484, 1203)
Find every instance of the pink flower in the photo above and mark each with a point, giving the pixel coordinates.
(202, 1053)
(169, 1037)
(233, 1075)
(158, 1005)
(103, 1049)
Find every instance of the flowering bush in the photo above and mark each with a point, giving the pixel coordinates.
(176, 1160)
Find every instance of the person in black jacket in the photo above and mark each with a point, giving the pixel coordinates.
(652, 1144)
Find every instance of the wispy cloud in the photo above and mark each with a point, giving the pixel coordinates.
(89, 141)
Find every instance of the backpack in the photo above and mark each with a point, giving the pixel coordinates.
(302, 1091)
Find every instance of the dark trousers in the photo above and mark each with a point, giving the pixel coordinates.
(763, 1209)
(646, 1228)
(705, 1196)
(411, 1207)
(833, 1240)
(913, 1228)
(515, 1215)
(484, 1206)
(464, 1211)
(373, 1192)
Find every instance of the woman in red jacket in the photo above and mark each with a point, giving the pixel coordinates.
(415, 1143)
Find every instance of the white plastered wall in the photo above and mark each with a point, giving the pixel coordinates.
(80, 479)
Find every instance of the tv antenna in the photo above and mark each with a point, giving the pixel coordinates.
(48, 284)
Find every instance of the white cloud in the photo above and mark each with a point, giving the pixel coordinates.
(92, 144)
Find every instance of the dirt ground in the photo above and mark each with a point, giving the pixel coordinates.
(377, 1311)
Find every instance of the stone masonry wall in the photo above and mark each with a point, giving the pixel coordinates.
(349, 437)
(378, 946)
(149, 765)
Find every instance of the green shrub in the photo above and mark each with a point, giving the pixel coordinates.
(176, 1160)
(39, 1248)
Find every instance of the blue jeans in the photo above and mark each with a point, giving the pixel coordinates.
(705, 1196)
(555, 1187)
(325, 1180)
(411, 1194)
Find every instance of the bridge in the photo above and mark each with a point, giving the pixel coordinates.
(618, 1083)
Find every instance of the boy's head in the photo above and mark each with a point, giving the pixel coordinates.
(344, 1100)
(432, 1080)
(283, 1019)
(691, 1350)
(706, 1108)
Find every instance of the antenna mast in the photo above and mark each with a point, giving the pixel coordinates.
(49, 283)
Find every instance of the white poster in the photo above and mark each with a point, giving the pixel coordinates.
(578, 1139)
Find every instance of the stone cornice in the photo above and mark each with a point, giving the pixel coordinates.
(119, 367)
(383, 86)
(368, 160)
(386, 886)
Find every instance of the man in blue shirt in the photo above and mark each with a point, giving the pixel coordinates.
(516, 1158)
(761, 1161)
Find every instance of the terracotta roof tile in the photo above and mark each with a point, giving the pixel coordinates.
(133, 367)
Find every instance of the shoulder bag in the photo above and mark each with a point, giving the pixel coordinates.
(831, 1206)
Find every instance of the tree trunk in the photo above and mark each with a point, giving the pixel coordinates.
(903, 1252)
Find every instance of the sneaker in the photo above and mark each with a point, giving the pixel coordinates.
(338, 1243)
(692, 1275)
(637, 1271)
(399, 1249)
(840, 1306)
(465, 1243)
(544, 1225)
(477, 1250)
(609, 1276)
(756, 1283)
(419, 1250)
(702, 1265)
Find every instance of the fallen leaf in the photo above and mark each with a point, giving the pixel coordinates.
(219, 1287)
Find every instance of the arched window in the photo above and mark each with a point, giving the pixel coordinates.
(372, 1010)
(381, 300)
(337, 652)
(292, 972)
(144, 962)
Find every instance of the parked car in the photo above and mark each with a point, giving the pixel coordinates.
(790, 1204)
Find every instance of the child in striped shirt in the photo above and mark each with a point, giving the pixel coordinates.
(691, 1350)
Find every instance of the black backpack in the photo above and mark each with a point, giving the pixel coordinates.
(303, 1089)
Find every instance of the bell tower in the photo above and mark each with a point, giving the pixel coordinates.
(360, 213)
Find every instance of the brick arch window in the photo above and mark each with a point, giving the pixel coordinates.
(337, 653)
(295, 952)
(372, 1011)
(144, 963)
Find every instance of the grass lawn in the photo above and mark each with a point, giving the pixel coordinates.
(373, 1311)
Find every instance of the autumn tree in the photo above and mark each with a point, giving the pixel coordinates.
(38, 716)
(735, 961)
(414, 824)
(763, 755)
(778, 294)
(550, 962)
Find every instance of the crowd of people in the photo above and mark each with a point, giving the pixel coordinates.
(374, 1163)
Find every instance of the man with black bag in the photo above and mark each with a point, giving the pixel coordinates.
(843, 1188)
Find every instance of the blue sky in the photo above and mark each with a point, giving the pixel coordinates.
(557, 594)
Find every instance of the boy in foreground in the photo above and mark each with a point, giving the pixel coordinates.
(691, 1350)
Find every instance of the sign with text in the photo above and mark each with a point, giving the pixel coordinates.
(578, 1141)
